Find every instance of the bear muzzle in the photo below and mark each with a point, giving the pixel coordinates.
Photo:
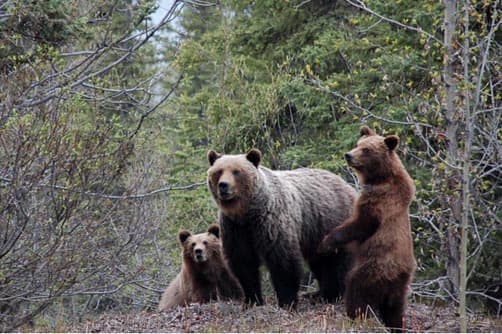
(352, 160)
(224, 191)
(199, 255)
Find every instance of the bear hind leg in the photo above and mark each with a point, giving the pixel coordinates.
(360, 301)
(357, 307)
(393, 307)
(393, 316)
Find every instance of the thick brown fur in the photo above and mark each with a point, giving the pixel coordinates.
(204, 274)
(278, 218)
(378, 233)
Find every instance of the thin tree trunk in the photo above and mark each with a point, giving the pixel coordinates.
(453, 198)
(466, 205)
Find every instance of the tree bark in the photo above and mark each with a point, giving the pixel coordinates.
(466, 194)
(452, 118)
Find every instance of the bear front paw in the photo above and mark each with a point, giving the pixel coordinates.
(328, 245)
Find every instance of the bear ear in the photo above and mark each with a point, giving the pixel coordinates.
(212, 156)
(365, 131)
(214, 230)
(254, 155)
(183, 235)
(391, 142)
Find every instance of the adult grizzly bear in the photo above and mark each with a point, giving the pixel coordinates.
(204, 274)
(378, 232)
(278, 218)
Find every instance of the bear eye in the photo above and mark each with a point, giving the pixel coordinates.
(366, 150)
(205, 242)
(193, 244)
(235, 172)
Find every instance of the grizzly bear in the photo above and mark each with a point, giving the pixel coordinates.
(378, 234)
(279, 218)
(204, 273)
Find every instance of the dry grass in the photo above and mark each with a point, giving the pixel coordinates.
(232, 317)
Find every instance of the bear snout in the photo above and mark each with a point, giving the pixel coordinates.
(223, 186)
(348, 157)
(224, 190)
(199, 254)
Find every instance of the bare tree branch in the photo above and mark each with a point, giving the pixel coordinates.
(361, 5)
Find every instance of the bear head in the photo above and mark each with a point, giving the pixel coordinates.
(374, 157)
(232, 179)
(201, 248)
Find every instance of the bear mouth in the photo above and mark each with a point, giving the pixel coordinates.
(199, 258)
(227, 199)
(353, 164)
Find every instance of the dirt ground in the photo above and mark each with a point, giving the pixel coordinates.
(309, 317)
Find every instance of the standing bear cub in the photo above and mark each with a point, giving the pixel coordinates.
(379, 231)
(204, 274)
(278, 218)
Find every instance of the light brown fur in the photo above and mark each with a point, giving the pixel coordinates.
(379, 231)
(204, 274)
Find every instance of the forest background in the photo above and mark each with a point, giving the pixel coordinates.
(106, 116)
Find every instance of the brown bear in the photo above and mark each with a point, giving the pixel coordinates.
(204, 274)
(378, 233)
(278, 218)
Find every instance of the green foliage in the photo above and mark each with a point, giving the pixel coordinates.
(30, 30)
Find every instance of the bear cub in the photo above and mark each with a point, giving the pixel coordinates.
(378, 234)
(204, 274)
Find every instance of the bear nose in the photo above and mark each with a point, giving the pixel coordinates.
(223, 186)
(198, 251)
(348, 157)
